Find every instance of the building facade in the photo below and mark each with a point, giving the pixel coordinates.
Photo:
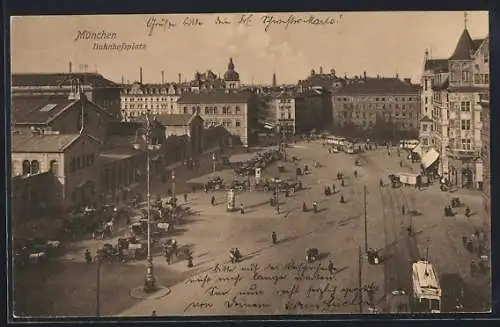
(73, 159)
(450, 99)
(185, 125)
(98, 89)
(138, 98)
(235, 111)
(369, 102)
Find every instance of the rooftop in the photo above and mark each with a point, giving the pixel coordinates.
(59, 79)
(174, 119)
(38, 109)
(437, 65)
(382, 85)
(215, 97)
(42, 143)
(465, 47)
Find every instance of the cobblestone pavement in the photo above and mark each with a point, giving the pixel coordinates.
(274, 278)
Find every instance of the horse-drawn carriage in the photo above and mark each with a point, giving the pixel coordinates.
(34, 250)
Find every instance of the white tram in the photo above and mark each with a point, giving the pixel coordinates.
(426, 291)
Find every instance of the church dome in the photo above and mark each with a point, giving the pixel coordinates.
(231, 74)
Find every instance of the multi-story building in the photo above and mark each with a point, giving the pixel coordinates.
(98, 89)
(236, 111)
(368, 102)
(450, 101)
(485, 152)
(137, 99)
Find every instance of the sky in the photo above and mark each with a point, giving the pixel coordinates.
(382, 43)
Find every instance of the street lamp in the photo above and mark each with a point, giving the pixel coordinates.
(173, 186)
(98, 285)
(149, 280)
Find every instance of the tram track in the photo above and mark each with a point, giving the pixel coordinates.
(397, 259)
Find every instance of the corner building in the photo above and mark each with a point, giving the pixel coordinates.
(451, 112)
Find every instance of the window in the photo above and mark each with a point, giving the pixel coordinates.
(78, 164)
(426, 100)
(238, 110)
(465, 106)
(466, 144)
(466, 76)
(54, 167)
(425, 141)
(26, 167)
(185, 111)
(424, 128)
(238, 123)
(465, 124)
(486, 57)
(35, 167)
(72, 165)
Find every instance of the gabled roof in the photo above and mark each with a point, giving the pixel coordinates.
(437, 65)
(31, 109)
(42, 143)
(58, 79)
(43, 109)
(382, 85)
(215, 97)
(175, 119)
(465, 47)
(426, 119)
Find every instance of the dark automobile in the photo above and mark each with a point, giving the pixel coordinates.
(238, 185)
(312, 254)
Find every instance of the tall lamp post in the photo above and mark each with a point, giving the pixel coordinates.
(173, 186)
(149, 279)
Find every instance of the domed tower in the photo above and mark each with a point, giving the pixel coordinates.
(231, 77)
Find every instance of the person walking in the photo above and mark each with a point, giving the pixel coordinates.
(213, 200)
(153, 314)
(274, 237)
(185, 197)
(88, 256)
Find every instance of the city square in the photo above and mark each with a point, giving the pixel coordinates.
(222, 194)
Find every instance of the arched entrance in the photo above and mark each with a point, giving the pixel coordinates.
(467, 177)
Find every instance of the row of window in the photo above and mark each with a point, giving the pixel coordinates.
(225, 122)
(371, 123)
(379, 99)
(33, 167)
(377, 106)
(481, 78)
(285, 107)
(371, 114)
(226, 110)
(169, 99)
(146, 106)
(285, 100)
(81, 162)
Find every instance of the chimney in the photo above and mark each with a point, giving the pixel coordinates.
(364, 74)
(140, 75)
(180, 78)
(123, 80)
(321, 69)
(397, 75)
(70, 67)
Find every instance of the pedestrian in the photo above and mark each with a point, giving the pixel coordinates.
(403, 211)
(88, 256)
(333, 188)
(153, 314)
(331, 267)
(185, 197)
(342, 183)
(242, 209)
(342, 200)
(213, 200)
(274, 238)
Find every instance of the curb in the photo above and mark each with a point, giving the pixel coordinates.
(138, 293)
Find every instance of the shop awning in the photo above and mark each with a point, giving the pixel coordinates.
(429, 158)
(418, 149)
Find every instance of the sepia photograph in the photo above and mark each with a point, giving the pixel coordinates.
(246, 164)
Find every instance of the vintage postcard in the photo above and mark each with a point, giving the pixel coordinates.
(250, 164)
